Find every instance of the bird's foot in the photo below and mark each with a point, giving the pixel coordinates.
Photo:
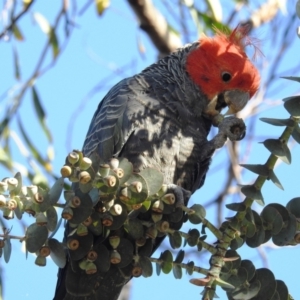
(230, 127)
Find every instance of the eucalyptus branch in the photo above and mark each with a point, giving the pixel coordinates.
(15, 19)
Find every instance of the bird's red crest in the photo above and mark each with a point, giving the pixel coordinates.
(224, 53)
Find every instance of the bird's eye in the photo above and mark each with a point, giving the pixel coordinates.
(226, 76)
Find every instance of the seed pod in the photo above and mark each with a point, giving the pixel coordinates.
(158, 206)
(2, 243)
(82, 230)
(125, 194)
(109, 204)
(114, 163)
(8, 214)
(137, 271)
(32, 190)
(66, 171)
(3, 187)
(110, 180)
(12, 183)
(115, 257)
(136, 186)
(73, 244)
(156, 217)
(114, 241)
(107, 220)
(163, 226)
(12, 204)
(40, 261)
(92, 255)
(119, 172)
(104, 170)
(169, 198)
(2, 201)
(88, 221)
(151, 232)
(67, 213)
(116, 210)
(85, 163)
(73, 158)
(75, 202)
(91, 268)
(41, 219)
(84, 177)
(140, 242)
(24, 191)
(38, 198)
(44, 251)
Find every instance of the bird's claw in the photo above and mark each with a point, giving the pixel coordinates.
(233, 127)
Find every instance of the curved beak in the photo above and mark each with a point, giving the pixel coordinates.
(236, 101)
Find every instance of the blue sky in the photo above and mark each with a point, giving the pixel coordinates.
(98, 47)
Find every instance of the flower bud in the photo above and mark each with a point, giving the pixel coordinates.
(92, 255)
(73, 244)
(85, 163)
(66, 171)
(82, 230)
(116, 210)
(3, 187)
(67, 213)
(73, 158)
(41, 219)
(12, 183)
(119, 172)
(115, 257)
(169, 198)
(136, 186)
(114, 241)
(12, 204)
(2, 201)
(40, 261)
(84, 177)
(158, 206)
(114, 163)
(104, 170)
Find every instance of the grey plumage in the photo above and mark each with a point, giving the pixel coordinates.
(153, 119)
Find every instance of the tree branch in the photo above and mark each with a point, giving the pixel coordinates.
(15, 19)
(156, 26)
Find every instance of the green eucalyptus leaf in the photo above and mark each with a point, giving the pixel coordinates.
(246, 292)
(287, 233)
(55, 191)
(257, 169)
(52, 218)
(252, 192)
(36, 237)
(268, 284)
(292, 105)
(7, 249)
(180, 256)
(272, 218)
(177, 271)
(57, 253)
(167, 263)
(294, 78)
(275, 180)
(154, 179)
(293, 206)
(279, 122)
(146, 265)
(236, 206)
(279, 149)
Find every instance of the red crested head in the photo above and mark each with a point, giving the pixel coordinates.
(220, 64)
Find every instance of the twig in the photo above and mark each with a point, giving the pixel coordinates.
(15, 19)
